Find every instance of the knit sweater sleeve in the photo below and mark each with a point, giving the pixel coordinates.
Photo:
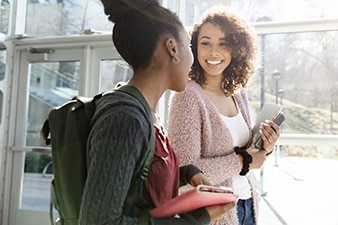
(199, 137)
(118, 139)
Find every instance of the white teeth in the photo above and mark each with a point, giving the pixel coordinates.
(213, 62)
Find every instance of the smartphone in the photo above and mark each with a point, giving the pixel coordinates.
(214, 189)
(278, 119)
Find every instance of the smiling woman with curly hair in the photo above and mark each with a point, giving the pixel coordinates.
(240, 40)
(209, 122)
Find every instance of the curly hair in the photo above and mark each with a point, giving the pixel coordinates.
(241, 42)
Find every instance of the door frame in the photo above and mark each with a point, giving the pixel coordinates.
(89, 51)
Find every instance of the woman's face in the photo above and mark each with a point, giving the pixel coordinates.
(184, 66)
(213, 53)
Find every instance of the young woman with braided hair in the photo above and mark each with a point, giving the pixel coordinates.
(155, 44)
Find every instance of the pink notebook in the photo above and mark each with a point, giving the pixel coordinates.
(198, 197)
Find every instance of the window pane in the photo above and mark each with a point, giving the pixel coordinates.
(1, 105)
(190, 11)
(65, 17)
(112, 72)
(51, 85)
(4, 16)
(308, 85)
(3, 53)
(281, 10)
(36, 182)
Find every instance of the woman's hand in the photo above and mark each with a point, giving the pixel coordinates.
(216, 211)
(198, 179)
(270, 133)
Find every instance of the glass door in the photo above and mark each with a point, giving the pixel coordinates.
(48, 77)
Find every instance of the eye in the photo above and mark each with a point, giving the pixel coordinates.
(224, 44)
(205, 43)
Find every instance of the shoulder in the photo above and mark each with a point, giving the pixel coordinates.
(117, 106)
(192, 93)
(119, 102)
(193, 87)
(241, 96)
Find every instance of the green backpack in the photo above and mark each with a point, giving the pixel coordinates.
(67, 129)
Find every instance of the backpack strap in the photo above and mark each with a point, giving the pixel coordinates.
(134, 202)
(138, 95)
(89, 105)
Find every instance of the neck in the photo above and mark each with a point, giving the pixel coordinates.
(213, 82)
(149, 88)
(213, 87)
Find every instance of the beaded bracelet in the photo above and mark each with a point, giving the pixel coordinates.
(247, 159)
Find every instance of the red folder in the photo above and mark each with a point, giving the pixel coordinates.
(198, 197)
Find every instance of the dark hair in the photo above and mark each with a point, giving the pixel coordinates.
(241, 43)
(139, 24)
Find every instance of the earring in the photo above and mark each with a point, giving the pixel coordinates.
(176, 60)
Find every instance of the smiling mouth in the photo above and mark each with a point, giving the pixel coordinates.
(213, 62)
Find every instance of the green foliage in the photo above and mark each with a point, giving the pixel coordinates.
(301, 119)
(36, 162)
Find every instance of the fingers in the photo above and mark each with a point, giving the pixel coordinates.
(198, 179)
(269, 131)
(275, 128)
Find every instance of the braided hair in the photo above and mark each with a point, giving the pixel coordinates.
(138, 26)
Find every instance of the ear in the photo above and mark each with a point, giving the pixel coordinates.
(171, 46)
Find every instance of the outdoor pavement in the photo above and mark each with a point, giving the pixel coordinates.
(298, 191)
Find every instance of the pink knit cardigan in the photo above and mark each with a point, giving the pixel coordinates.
(199, 136)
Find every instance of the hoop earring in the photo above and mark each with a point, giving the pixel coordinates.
(176, 60)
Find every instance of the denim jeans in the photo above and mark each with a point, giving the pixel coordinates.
(245, 212)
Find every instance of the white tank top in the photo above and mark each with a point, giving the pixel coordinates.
(240, 135)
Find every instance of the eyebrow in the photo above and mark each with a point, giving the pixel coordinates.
(207, 37)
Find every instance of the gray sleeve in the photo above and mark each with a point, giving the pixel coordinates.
(115, 144)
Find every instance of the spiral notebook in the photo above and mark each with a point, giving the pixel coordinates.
(198, 197)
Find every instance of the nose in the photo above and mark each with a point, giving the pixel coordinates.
(214, 51)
